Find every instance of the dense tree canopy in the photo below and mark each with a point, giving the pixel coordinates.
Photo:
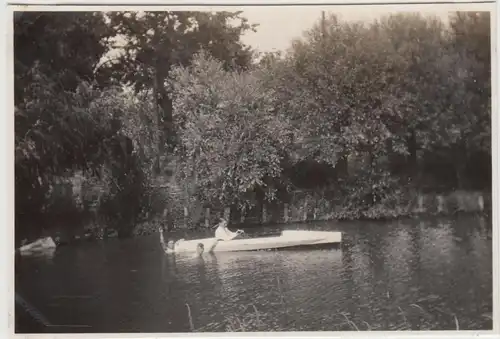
(231, 142)
(393, 87)
(370, 108)
(65, 46)
(151, 43)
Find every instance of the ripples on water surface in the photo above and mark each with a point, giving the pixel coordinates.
(434, 274)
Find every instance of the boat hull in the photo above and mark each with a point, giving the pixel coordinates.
(285, 240)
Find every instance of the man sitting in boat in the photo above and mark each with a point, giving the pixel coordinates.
(223, 233)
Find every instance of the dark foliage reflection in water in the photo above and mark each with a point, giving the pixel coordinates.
(421, 275)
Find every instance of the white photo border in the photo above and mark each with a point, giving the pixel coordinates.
(7, 147)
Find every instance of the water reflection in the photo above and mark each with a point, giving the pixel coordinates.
(402, 275)
(45, 254)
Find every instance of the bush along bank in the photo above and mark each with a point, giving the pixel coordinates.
(303, 206)
(310, 206)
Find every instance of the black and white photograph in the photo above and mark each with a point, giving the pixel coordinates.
(253, 168)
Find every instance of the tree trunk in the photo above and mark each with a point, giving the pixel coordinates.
(342, 167)
(412, 162)
(371, 161)
(158, 122)
(125, 232)
(460, 165)
(166, 105)
(394, 159)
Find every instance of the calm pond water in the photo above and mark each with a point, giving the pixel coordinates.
(433, 274)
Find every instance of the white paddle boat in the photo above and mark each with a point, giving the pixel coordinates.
(225, 241)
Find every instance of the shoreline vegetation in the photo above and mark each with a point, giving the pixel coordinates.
(310, 207)
(385, 119)
(423, 206)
